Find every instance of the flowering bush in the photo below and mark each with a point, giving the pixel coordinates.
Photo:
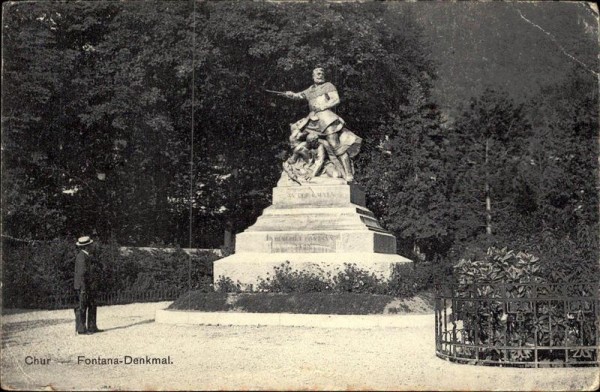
(499, 266)
(225, 284)
(356, 280)
(286, 280)
(488, 300)
(406, 280)
(303, 303)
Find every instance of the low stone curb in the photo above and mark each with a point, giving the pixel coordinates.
(294, 320)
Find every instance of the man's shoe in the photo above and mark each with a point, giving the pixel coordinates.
(95, 330)
(84, 333)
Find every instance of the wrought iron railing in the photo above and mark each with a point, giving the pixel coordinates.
(518, 324)
(62, 301)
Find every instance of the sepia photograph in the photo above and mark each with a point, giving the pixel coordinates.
(300, 195)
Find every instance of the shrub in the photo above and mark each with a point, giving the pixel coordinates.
(406, 280)
(33, 273)
(313, 303)
(356, 280)
(172, 269)
(565, 258)
(307, 303)
(540, 322)
(499, 266)
(286, 280)
(403, 281)
(225, 284)
(561, 256)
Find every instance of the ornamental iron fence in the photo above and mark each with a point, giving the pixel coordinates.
(64, 301)
(518, 324)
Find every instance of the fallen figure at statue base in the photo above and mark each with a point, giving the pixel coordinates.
(313, 157)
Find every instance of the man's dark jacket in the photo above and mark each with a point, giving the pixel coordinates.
(84, 276)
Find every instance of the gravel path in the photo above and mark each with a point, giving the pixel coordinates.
(236, 357)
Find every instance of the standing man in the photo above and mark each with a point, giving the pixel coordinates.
(85, 283)
(322, 97)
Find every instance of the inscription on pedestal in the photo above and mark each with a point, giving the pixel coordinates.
(303, 243)
(318, 196)
(312, 197)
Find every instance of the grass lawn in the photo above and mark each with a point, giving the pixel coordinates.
(306, 303)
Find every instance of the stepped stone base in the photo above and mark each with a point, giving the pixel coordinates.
(315, 227)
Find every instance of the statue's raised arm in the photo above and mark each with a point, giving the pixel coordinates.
(293, 95)
(342, 144)
(320, 96)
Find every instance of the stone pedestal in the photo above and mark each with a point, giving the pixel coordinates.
(316, 227)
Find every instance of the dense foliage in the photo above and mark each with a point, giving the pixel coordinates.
(488, 309)
(48, 267)
(109, 100)
(303, 303)
(406, 280)
(138, 122)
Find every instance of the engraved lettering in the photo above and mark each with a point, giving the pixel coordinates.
(304, 243)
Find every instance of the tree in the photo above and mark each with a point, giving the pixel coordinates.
(142, 114)
(95, 141)
(141, 81)
(561, 173)
(562, 167)
(540, 167)
(275, 46)
(489, 147)
(407, 177)
(41, 131)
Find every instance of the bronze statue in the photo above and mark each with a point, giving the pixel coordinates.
(339, 143)
(311, 156)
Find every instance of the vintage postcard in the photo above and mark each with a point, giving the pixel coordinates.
(300, 195)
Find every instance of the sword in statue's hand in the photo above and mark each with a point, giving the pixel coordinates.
(276, 92)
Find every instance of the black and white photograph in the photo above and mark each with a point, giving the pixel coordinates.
(300, 195)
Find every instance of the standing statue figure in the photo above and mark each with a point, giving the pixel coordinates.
(340, 143)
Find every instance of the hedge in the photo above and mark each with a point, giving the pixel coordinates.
(304, 303)
(34, 273)
(406, 280)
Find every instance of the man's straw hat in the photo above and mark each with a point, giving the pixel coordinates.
(83, 241)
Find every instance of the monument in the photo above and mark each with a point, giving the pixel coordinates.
(318, 219)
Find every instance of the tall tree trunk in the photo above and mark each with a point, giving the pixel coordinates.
(229, 237)
(488, 199)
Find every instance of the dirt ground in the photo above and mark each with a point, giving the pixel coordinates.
(241, 357)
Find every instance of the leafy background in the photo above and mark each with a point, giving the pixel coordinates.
(480, 120)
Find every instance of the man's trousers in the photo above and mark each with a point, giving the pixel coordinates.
(87, 307)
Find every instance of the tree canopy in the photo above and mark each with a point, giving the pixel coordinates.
(120, 90)
(137, 121)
